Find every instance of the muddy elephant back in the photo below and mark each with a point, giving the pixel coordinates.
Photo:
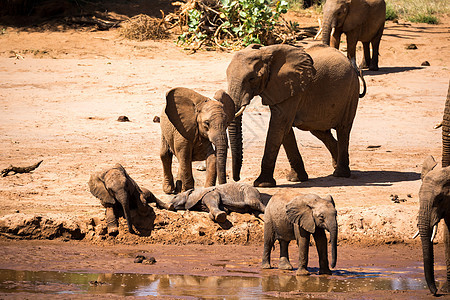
(98, 189)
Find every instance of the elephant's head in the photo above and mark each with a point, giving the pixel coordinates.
(335, 13)
(193, 114)
(310, 211)
(276, 72)
(434, 197)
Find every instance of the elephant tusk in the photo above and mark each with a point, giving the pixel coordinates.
(240, 112)
(437, 126)
(433, 234)
(332, 31)
(416, 234)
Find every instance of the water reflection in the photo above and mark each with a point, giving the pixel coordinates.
(201, 286)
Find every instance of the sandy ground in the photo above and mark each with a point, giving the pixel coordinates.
(62, 92)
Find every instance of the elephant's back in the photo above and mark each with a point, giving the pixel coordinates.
(331, 98)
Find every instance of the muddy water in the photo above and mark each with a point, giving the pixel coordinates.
(362, 280)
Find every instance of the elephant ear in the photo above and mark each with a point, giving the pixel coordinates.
(180, 109)
(329, 198)
(298, 212)
(228, 104)
(98, 189)
(290, 72)
(427, 166)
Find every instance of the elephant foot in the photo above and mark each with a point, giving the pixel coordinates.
(325, 272)
(342, 172)
(284, 264)
(264, 182)
(168, 188)
(373, 68)
(218, 216)
(293, 176)
(302, 272)
(266, 265)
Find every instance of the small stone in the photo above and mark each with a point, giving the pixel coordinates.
(123, 119)
(156, 119)
(425, 63)
(411, 47)
(139, 259)
(409, 196)
(149, 261)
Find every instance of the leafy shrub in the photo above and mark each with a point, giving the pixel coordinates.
(424, 18)
(236, 23)
(391, 14)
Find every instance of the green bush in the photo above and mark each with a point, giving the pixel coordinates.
(240, 22)
(391, 14)
(424, 18)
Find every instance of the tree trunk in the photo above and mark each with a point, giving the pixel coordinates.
(446, 132)
(235, 133)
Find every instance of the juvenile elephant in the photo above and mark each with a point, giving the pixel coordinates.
(360, 20)
(316, 90)
(190, 125)
(120, 194)
(434, 198)
(235, 196)
(293, 216)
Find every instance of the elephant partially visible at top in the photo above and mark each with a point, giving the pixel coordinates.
(190, 125)
(314, 90)
(360, 20)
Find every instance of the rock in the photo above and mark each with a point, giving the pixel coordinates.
(425, 63)
(123, 119)
(156, 119)
(411, 47)
(149, 261)
(139, 259)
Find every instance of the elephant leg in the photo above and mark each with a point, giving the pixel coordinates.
(252, 199)
(330, 142)
(269, 241)
(211, 170)
(321, 245)
(352, 40)
(281, 119)
(298, 172)
(111, 221)
(166, 158)
(375, 50)
(342, 168)
(284, 263)
(212, 202)
(122, 197)
(185, 180)
(303, 238)
(366, 60)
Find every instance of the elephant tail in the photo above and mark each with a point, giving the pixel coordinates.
(360, 75)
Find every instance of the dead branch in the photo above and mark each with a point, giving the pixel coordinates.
(11, 168)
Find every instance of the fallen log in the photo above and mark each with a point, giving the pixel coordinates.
(11, 168)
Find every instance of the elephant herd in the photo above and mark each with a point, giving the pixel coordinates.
(315, 89)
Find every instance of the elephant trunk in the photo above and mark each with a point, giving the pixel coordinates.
(333, 229)
(425, 228)
(221, 157)
(235, 132)
(328, 24)
(446, 132)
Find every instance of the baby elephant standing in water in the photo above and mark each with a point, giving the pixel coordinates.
(120, 195)
(237, 197)
(293, 216)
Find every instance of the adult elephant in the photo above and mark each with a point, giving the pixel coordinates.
(190, 125)
(360, 20)
(434, 195)
(316, 90)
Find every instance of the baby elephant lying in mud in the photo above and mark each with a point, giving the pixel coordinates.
(293, 216)
(122, 196)
(237, 197)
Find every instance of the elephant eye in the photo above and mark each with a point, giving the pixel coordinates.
(206, 123)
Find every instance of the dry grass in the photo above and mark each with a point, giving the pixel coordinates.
(423, 11)
(143, 27)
